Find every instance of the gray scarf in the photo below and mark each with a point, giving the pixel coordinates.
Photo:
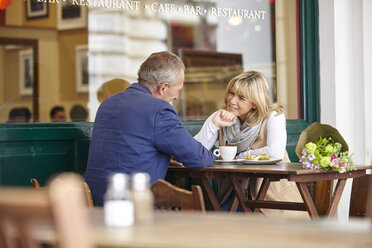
(241, 136)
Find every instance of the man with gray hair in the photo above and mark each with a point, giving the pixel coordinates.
(138, 130)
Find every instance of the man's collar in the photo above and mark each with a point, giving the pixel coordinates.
(141, 87)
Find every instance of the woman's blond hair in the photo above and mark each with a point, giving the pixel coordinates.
(253, 86)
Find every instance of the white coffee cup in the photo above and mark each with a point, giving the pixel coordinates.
(226, 152)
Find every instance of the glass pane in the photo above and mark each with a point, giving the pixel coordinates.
(88, 52)
(206, 78)
(17, 70)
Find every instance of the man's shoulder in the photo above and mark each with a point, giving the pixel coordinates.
(151, 102)
(138, 100)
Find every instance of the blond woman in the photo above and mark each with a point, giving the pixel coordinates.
(256, 126)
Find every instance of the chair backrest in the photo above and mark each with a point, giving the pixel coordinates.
(170, 197)
(60, 204)
(88, 194)
(369, 198)
(361, 197)
(321, 192)
(35, 183)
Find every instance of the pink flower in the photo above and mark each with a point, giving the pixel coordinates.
(334, 156)
(335, 162)
(343, 164)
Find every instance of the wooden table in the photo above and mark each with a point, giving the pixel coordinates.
(217, 230)
(291, 171)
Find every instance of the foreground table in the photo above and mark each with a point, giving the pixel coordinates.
(291, 171)
(215, 230)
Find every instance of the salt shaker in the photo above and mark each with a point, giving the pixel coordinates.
(143, 198)
(118, 207)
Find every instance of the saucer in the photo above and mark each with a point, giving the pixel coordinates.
(222, 161)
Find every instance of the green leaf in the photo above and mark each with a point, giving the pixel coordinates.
(319, 141)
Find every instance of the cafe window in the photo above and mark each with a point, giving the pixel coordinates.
(62, 54)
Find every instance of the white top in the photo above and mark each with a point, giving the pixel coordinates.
(276, 137)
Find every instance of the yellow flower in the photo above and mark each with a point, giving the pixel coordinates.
(310, 147)
(325, 162)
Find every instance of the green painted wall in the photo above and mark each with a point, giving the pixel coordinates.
(41, 150)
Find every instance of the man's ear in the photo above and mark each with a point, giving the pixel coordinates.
(161, 88)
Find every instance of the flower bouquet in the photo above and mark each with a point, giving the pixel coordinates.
(327, 154)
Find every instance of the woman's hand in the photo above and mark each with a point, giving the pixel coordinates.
(242, 155)
(223, 118)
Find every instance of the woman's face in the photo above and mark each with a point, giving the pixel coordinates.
(238, 105)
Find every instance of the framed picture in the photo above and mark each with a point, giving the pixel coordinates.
(26, 72)
(36, 9)
(70, 16)
(82, 75)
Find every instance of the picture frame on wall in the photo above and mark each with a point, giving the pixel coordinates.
(71, 16)
(82, 74)
(36, 9)
(26, 72)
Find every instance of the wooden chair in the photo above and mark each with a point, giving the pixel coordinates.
(170, 197)
(60, 204)
(321, 191)
(35, 183)
(361, 197)
(88, 194)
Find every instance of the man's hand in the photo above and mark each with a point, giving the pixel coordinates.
(175, 163)
(223, 118)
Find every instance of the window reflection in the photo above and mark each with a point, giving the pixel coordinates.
(206, 78)
(82, 47)
(17, 81)
(133, 35)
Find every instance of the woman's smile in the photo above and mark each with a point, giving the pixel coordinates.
(230, 108)
(238, 105)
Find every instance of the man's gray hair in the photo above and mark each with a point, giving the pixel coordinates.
(161, 67)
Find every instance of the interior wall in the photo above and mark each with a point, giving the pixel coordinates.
(16, 16)
(68, 40)
(11, 87)
(45, 22)
(13, 14)
(68, 95)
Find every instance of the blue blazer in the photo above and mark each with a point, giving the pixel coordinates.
(136, 132)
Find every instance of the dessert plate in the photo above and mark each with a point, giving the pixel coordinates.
(270, 161)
